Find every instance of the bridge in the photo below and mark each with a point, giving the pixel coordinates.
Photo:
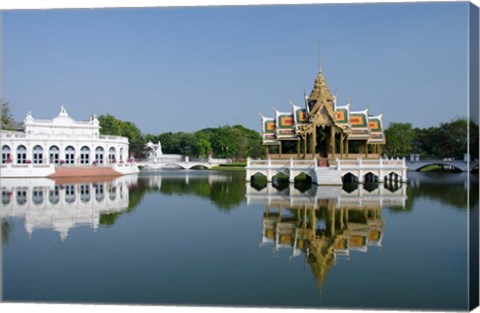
(180, 162)
(460, 165)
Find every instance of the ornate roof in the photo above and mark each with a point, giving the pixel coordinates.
(377, 134)
(320, 95)
(321, 110)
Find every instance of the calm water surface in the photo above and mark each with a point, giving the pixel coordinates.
(208, 238)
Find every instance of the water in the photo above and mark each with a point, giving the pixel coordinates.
(208, 238)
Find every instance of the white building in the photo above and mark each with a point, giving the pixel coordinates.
(46, 145)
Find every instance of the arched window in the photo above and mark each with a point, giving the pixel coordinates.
(21, 155)
(37, 195)
(21, 196)
(70, 193)
(99, 155)
(54, 195)
(85, 155)
(111, 155)
(85, 192)
(54, 155)
(69, 155)
(112, 192)
(6, 154)
(5, 197)
(99, 192)
(37, 155)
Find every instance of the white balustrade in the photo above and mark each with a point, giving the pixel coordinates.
(358, 167)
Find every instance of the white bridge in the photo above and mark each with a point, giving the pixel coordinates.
(178, 161)
(359, 170)
(464, 166)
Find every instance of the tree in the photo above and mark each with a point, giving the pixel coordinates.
(8, 123)
(110, 125)
(225, 143)
(426, 142)
(400, 139)
(204, 148)
(452, 139)
(254, 147)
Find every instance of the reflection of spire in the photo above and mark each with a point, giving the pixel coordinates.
(318, 224)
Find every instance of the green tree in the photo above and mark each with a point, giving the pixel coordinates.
(110, 125)
(252, 147)
(204, 148)
(168, 141)
(400, 139)
(8, 123)
(426, 142)
(452, 139)
(225, 142)
(6, 231)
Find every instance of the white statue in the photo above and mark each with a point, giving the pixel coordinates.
(155, 151)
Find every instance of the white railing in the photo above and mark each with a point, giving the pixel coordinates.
(111, 137)
(42, 121)
(38, 120)
(379, 163)
(341, 164)
(269, 163)
(218, 161)
(12, 134)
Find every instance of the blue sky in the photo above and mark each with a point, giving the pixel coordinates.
(183, 69)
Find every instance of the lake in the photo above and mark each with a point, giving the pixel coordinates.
(209, 238)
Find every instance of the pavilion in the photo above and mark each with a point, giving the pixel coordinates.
(322, 129)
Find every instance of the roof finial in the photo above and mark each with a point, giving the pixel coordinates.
(319, 58)
(63, 111)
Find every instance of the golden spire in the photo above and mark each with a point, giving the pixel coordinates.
(320, 95)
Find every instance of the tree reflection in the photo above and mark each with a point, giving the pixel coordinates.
(453, 189)
(6, 231)
(226, 192)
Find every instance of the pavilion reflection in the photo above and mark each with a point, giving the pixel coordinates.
(324, 223)
(64, 204)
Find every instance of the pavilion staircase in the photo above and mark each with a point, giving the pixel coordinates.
(328, 176)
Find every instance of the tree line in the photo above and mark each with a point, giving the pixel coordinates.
(448, 140)
(235, 142)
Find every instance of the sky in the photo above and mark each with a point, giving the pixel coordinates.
(188, 68)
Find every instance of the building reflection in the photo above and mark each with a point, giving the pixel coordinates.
(62, 205)
(324, 223)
